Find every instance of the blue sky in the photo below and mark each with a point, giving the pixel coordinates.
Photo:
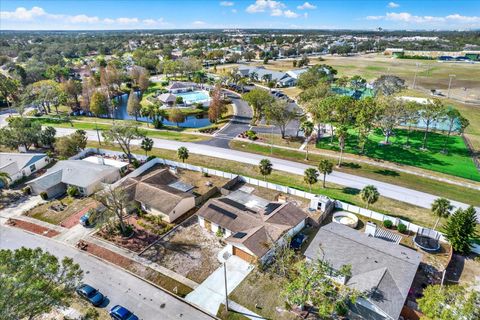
(199, 14)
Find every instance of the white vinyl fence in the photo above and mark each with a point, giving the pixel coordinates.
(288, 190)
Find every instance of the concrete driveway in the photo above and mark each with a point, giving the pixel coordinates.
(211, 292)
(19, 207)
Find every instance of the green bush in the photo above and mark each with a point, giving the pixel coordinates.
(219, 233)
(72, 191)
(135, 163)
(157, 123)
(388, 224)
(402, 228)
(251, 135)
(151, 158)
(27, 190)
(44, 195)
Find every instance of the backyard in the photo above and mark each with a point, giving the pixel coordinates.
(457, 161)
(188, 250)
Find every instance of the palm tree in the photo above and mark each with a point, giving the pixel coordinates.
(325, 167)
(147, 145)
(4, 180)
(310, 177)
(369, 195)
(441, 208)
(182, 154)
(265, 167)
(307, 128)
(254, 76)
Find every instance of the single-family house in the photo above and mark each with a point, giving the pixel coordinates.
(167, 99)
(84, 175)
(20, 165)
(160, 192)
(281, 79)
(120, 165)
(179, 87)
(251, 226)
(382, 270)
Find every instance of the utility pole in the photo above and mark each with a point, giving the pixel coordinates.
(226, 291)
(98, 135)
(451, 76)
(271, 144)
(415, 77)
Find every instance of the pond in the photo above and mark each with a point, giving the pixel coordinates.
(191, 121)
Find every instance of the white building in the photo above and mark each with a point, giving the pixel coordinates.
(20, 165)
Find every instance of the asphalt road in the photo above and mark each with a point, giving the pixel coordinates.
(391, 191)
(145, 300)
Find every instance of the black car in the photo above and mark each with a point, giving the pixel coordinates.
(297, 241)
(90, 294)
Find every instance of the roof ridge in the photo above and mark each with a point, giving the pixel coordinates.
(366, 245)
(274, 212)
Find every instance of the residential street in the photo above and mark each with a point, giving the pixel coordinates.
(145, 300)
(411, 196)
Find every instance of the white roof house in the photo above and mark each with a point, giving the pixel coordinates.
(19, 165)
(84, 175)
(120, 165)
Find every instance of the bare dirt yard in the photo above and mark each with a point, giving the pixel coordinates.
(188, 250)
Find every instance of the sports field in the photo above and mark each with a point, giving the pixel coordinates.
(456, 162)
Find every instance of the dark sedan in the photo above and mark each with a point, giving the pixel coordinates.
(297, 241)
(121, 313)
(90, 294)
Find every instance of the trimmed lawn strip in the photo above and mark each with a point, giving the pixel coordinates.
(229, 315)
(162, 134)
(158, 278)
(457, 162)
(441, 189)
(292, 142)
(388, 206)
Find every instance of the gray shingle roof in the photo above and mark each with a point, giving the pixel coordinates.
(74, 172)
(383, 269)
(12, 163)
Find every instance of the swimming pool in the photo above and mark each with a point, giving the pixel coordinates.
(194, 97)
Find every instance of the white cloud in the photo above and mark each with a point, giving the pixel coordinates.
(275, 8)
(22, 13)
(38, 18)
(198, 23)
(451, 21)
(393, 5)
(290, 14)
(234, 11)
(307, 6)
(226, 3)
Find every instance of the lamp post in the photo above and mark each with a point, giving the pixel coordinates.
(415, 77)
(226, 291)
(451, 76)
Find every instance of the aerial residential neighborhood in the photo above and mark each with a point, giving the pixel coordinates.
(245, 159)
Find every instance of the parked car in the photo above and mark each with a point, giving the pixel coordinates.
(121, 313)
(85, 220)
(297, 241)
(90, 294)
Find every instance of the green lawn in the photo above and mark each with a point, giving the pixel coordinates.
(161, 134)
(441, 189)
(456, 162)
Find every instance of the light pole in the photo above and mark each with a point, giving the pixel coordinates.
(451, 76)
(415, 77)
(226, 291)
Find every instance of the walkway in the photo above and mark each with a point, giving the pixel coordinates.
(210, 294)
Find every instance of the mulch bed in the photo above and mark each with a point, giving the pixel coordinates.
(137, 243)
(142, 271)
(32, 227)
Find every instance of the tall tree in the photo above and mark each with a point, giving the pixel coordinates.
(133, 105)
(325, 167)
(307, 128)
(20, 132)
(147, 145)
(258, 99)
(116, 201)
(369, 195)
(450, 302)
(388, 85)
(47, 136)
(216, 107)
(431, 113)
(4, 181)
(99, 103)
(45, 93)
(73, 90)
(411, 117)
(8, 89)
(310, 176)
(366, 114)
(265, 167)
(123, 134)
(176, 115)
(441, 208)
(182, 153)
(34, 282)
(342, 133)
(390, 115)
(460, 229)
(70, 145)
(280, 115)
(452, 116)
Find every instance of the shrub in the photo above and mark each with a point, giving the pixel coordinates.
(402, 228)
(251, 135)
(157, 123)
(91, 314)
(151, 158)
(219, 233)
(135, 163)
(72, 191)
(27, 190)
(44, 195)
(388, 224)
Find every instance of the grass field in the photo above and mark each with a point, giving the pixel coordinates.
(441, 189)
(457, 161)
